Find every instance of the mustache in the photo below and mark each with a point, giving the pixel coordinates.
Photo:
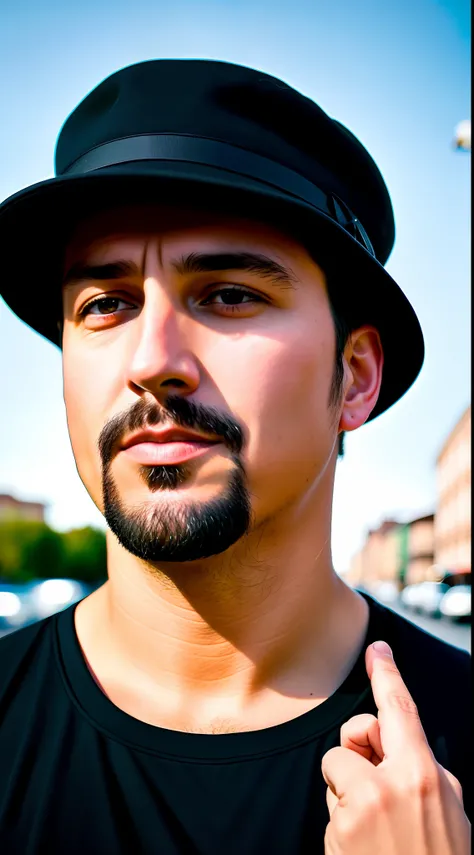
(181, 412)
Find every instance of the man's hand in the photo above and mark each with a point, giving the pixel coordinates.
(386, 794)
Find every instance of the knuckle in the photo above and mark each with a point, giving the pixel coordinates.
(349, 826)
(356, 724)
(455, 783)
(422, 781)
(368, 799)
(330, 755)
(357, 728)
(329, 838)
(374, 797)
(331, 800)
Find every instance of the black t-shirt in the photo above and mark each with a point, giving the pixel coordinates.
(78, 775)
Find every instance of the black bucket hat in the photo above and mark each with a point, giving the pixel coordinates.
(213, 134)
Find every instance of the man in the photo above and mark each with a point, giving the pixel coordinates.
(211, 255)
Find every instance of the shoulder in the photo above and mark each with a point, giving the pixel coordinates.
(21, 649)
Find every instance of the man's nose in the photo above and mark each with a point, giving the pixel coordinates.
(162, 354)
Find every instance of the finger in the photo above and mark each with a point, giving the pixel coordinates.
(401, 730)
(362, 735)
(331, 800)
(343, 769)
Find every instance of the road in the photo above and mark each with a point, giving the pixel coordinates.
(453, 633)
(458, 634)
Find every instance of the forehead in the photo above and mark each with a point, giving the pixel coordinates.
(129, 224)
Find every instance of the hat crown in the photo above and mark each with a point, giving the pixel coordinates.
(238, 105)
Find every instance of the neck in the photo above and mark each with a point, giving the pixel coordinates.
(269, 615)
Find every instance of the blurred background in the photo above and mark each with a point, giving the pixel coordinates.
(397, 75)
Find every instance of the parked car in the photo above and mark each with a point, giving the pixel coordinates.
(425, 597)
(22, 604)
(48, 596)
(15, 609)
(408, 596)
(456, 603)
(386, 592)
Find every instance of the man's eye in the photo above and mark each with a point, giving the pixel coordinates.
(103, 304)
(232, 297)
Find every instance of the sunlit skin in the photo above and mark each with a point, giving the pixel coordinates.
(265, 629)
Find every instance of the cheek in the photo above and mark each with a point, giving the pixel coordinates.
(85, 397)
(280, 391)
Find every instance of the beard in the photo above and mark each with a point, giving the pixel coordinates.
(178, 531)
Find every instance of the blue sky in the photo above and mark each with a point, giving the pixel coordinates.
(397, 74)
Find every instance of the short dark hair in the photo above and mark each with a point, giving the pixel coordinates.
(343, 330)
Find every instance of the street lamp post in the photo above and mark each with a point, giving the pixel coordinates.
(462, 136)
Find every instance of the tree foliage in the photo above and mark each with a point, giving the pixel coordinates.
(84, 554)
(33, 550)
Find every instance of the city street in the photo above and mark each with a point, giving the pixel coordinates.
(453, 633)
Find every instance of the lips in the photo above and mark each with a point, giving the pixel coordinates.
(167, 435)
(166, 446)
(166, 453)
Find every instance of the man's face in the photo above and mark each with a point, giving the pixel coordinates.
(221, 326)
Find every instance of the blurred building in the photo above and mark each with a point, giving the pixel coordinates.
(11, 508)
(378, 558)
(432, 546)
(421, 557)
(402, 553)
(453, 514)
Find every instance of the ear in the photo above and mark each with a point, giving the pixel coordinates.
(363, 364)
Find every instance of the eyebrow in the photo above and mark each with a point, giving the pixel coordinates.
(80, 272)
(248, 262)
(195, 262)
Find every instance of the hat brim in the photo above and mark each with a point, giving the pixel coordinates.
(36, 223)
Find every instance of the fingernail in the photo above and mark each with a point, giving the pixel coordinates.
(382, 647)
